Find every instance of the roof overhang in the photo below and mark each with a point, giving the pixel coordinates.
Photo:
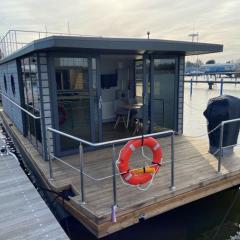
(124, 45)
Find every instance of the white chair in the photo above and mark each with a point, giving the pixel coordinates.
(121, 116)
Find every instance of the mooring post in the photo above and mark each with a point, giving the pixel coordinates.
(221, 88)
(220, 147)
(191, 86)
(81, 174)
(172, 163)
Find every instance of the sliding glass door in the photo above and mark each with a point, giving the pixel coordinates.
(142, 89)
(163, 93)
(78, 113)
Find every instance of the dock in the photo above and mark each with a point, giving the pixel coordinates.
(196, 176)
(24, 214)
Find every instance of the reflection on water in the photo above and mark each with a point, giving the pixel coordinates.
(215, 217)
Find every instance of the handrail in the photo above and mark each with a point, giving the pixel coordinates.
(114, 158)
(221, 147)
(10, 43)
(47, 32)
(164, 134)
(23, 109)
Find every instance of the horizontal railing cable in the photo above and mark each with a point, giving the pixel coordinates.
(205, 134)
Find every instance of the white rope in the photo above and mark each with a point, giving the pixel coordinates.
(138, 186)
(205, 134)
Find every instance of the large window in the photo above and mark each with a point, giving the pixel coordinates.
(72, 82)
(31, 98)
(163, 96)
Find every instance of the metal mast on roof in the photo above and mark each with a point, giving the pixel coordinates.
(193, 35)
(148, 33)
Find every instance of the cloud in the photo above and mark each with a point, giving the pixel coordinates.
(216, 21)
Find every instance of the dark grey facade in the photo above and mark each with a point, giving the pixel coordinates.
(75, 84)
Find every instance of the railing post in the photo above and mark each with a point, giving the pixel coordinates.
(49, 155)
(191, 87)
(221, 88)
(81, 173)
(220, 147)
(172, 163)
(114, 206)
(114, 176)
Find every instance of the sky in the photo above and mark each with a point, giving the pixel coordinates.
(216, 21)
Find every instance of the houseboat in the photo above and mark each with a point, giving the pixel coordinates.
(71, 103)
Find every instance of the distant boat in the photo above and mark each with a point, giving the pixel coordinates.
(218, 68)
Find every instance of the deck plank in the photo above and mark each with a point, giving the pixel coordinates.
(24, 214)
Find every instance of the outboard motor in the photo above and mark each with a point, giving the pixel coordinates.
(220, 109)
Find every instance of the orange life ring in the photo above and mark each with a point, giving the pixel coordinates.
(134, 176)
(62, 114)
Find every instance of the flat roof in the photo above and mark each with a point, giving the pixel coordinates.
(124, 45)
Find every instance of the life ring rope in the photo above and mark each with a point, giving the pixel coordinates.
(138, 186)
(129, 176)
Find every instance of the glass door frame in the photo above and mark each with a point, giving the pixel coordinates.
(96, 136)
(146, 97)
(92, 102)
(146, 77)
(152, 58)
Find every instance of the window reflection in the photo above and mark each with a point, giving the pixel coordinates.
(163, 97)
(94, 73)
(71, 62)
(72, 84)
(139, 78)
(31, 97)
(71, 73)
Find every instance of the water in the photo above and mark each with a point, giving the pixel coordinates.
(194, 121)
(215, 217)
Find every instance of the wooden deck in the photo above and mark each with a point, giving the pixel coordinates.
(24, 214)
(195, 177)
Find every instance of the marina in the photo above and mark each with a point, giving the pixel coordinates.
(24, 214)
(75, 106)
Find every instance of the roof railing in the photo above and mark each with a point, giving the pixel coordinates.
(14, 39)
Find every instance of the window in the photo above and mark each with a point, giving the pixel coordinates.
(31, 97)
(73, 99)
(13, 85)
(94, 73)
(71, 74)
(5, 82)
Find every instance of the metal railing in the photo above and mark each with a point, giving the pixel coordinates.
(114, 175)
(221, 147)
(28, 113)
(17, 105)
(14, 40)
(211, 83)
